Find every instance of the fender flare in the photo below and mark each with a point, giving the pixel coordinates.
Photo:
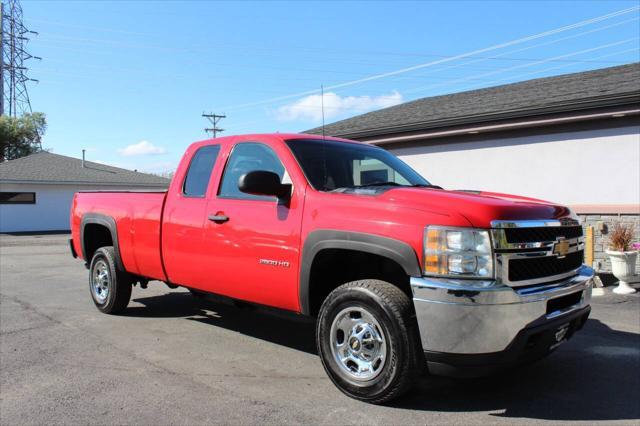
(396, 250)
(109, 223)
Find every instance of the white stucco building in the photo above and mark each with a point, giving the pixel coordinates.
(572, 139)
(36, 191)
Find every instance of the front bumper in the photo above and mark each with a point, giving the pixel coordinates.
(464, 317)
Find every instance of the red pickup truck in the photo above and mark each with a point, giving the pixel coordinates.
(403, 276)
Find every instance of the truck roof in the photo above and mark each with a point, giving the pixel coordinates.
(283, 136)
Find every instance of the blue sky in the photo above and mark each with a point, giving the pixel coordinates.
(129, 81)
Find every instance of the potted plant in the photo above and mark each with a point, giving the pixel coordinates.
(623, 256)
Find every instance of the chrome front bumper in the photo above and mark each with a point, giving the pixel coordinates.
(470, 317)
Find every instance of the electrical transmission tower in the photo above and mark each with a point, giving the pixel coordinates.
(14, 37)
(214, 119)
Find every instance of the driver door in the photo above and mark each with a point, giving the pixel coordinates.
(253, 241)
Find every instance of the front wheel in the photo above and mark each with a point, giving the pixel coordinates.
(110, 287)
(368, 340)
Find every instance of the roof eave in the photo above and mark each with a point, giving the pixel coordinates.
(505, 125)
(587, 104)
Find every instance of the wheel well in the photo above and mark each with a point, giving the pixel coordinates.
(334, 267)
(95, 236)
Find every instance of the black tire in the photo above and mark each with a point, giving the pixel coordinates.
(118, 282)
(393, 311)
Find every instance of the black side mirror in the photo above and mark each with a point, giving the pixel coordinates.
(262, 182)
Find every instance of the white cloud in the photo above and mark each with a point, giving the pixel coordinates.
(310, 107)
(141, 148)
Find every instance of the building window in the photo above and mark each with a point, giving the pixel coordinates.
(17, 197)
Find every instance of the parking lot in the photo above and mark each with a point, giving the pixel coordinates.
(174, 359)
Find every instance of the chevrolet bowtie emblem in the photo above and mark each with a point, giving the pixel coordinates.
(561, 248)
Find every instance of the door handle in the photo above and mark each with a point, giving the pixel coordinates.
(218, 218)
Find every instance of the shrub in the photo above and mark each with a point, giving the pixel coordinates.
(621, 237)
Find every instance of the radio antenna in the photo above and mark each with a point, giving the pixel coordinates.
(322, 107)
(324, 140)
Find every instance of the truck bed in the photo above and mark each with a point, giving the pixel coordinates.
(138, 218)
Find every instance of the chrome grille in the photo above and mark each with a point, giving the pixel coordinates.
(547, 266)
(533, 252)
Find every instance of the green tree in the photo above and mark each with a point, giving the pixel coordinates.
(20, 136)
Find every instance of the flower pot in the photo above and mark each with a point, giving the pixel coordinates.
(623, 267)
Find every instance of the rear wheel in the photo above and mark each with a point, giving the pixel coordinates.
(368, 340)
(110, 287)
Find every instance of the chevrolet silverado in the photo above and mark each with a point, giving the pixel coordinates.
(402, 276)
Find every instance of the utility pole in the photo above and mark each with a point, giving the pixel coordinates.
(214, 119)
(14, 98)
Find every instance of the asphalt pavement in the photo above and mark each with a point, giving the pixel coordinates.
(172, 359)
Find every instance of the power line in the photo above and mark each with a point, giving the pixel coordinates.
(240, 126)
(214, 119)
(522, 49)
(499, 57)
(480, 76)
(544, 70)
(14, 36)
(440, 61)
(247, 48)
(605, 46)
(65, 40)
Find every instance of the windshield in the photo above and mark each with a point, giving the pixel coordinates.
(331, 165)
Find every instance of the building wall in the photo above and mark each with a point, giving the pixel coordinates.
(599, 166)
(602, 225)
(576, 168)
(52, 208)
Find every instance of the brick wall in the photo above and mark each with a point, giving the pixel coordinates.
(601, 238)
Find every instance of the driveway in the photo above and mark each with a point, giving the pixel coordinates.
(174, 359)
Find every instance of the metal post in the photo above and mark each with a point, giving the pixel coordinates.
(1, 59)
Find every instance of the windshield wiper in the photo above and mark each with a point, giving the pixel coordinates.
(425, 185)
(342, 188)
(387, 183)
(414, 185)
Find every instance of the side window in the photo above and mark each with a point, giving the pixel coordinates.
(199, 173)
(247, 157)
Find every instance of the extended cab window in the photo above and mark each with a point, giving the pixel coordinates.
(197, 179)
(248, 157)
(332, 165)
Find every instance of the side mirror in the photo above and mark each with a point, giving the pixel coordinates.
(262, 182)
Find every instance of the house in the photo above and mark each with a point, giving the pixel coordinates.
(572, 139)
(36, 191)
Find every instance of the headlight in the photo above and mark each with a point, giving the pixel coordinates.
(459, 252)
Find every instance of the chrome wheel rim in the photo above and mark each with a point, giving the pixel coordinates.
(100, 280)
(358, 344)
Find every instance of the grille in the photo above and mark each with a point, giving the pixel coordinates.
(547, 233)
(539, 267)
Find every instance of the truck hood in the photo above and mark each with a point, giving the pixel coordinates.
(478, 207)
